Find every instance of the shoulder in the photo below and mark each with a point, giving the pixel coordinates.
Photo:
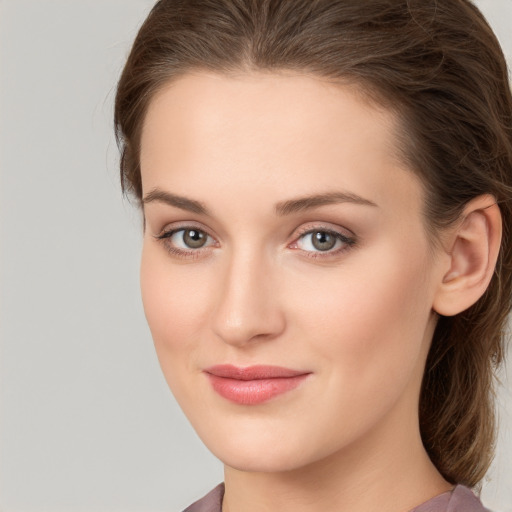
(463, 499)
(212, 502)
(460, 499)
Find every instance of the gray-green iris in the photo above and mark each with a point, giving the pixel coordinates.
(323, 241)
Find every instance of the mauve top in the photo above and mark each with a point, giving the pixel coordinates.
(460, 499)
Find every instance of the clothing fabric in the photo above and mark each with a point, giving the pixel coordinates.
(460, 499)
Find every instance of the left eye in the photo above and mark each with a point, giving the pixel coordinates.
(321, 240)
(188, 238)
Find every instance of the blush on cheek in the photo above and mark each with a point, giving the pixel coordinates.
(168, 327)
(174, 303)
(379, 320)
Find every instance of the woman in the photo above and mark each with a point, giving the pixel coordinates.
(326, 266)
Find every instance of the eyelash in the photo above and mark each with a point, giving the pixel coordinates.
(347, 242)
(166, 235)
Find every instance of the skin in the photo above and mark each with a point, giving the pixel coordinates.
(360, 318)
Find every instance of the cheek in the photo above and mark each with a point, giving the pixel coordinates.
(372, 322)
(175, 300)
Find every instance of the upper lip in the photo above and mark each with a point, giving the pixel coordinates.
(256, 372)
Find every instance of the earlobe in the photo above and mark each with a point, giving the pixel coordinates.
(473, 250)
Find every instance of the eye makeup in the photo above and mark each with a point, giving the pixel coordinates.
(314, 241)
(322, 242)
(186, 241)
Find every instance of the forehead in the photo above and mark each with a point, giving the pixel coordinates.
(208, 101)
(269, 130)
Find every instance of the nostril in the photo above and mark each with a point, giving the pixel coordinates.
(238, 323)
(247, 309)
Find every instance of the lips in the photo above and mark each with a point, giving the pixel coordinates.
(254, 384)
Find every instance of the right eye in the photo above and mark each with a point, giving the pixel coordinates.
(186, 240)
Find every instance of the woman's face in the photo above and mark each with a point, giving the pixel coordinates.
(286, 276)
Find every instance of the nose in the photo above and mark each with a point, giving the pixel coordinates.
(248, 307)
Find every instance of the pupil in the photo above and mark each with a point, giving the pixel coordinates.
(194, 238)
(323, 241)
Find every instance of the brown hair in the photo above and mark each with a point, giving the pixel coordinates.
(438, 65)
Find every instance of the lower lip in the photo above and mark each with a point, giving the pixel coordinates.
(253, 392)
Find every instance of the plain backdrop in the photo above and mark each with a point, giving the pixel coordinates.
(87, 421)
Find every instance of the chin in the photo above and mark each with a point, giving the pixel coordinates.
(258, 461)
(260, 454)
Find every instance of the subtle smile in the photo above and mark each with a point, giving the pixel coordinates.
(254, 384)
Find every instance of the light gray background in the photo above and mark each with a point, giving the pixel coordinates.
(87, 421)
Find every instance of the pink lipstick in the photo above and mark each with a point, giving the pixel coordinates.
(254, 384)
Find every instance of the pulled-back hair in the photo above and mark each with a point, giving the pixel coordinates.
(439, 67)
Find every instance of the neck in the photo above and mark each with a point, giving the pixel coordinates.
(370, 475)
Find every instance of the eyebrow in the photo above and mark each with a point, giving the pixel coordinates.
(306, 203)
(282, 208)
(181, 202)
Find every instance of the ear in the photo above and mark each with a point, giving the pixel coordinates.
(472, 248)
